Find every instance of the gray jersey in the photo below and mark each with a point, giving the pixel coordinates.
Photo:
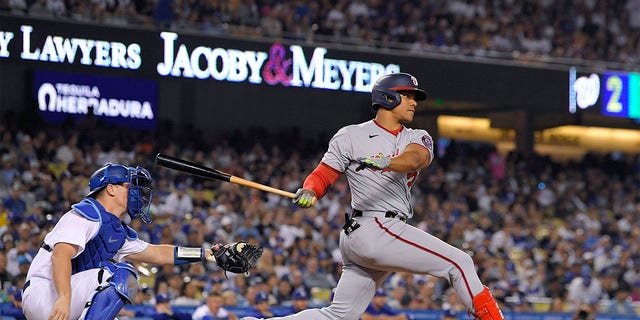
(376, 242)
(380, 244)
(375, 190)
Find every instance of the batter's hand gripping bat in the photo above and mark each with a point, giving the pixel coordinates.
(213, 174)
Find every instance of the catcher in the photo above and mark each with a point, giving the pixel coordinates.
(79, 271)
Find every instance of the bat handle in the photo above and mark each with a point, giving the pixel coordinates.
(262, 187)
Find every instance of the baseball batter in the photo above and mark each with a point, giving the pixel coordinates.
(80, 270)
(382, 159)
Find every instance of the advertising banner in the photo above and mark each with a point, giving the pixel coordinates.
(217, 83)
(121, 101)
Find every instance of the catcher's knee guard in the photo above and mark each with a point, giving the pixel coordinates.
(486, 306)
(111, 296)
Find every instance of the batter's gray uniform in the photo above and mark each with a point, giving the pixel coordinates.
(381, 245)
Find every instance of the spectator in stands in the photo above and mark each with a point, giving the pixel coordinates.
(452, 301)
(14, 202)
(283, 290)
(532, 286)
(585, 312)
(449, 314)
(24, 261)
(261, 306)
(18, 7)
(8, 243)
(229, 298)
(15, 308)
(259, 283)
(13, 257)
(514, 293)
(66, 148)
(201, 203)
(162, 310)
(179, 202)
(313, 278)
(621, 302)
(558, 296)
(175, 281)
(190, 294)
(215, 283)
(584, 290)
(296, 277)
(212, 309)
(520, 305)
(378, 309)
(228, 229)
(558, 243)
(271, 283)
(400, 296)
(144, 296)
(5, 278)
(270, 23)
(635, 293)
(164, 14)
(9, 174)
(4, 221)
(427, 289)
(247, 230)
(299, 302)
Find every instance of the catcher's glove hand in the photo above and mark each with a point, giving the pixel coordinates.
(237, 257)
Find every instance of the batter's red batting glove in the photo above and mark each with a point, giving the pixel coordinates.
(378, 162)
(305, 198)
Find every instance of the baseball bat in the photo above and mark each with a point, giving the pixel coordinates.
(213, 174)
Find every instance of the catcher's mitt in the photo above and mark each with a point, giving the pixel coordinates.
(237, 257)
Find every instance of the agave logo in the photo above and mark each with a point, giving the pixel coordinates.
(76, 99)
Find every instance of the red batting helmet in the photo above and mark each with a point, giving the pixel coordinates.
(385, 90)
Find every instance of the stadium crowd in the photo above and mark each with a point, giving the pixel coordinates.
(593, 30)
(565, 234)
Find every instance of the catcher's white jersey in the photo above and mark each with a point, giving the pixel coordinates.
(40, 296)
(375, 190)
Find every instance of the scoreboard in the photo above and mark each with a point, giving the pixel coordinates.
(615, 94)
(621, 94)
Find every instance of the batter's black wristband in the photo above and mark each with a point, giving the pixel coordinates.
(184, 255)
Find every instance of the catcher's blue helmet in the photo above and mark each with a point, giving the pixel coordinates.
(109, 174)
(140, 187)
(385, 90)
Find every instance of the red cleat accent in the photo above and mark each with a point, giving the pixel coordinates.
(486, 306)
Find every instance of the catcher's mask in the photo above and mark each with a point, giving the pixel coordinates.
(140, 187)
(386, 94)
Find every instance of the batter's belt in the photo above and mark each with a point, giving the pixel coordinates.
(351, 224)
(389, 214)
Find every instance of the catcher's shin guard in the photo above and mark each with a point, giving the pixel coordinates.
(486, 306)
(117, 291)
(105, 305)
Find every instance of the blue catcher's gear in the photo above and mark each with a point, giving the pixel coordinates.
(106, 242)
(119, 290)
(385, 90)
(140, 187)
(109, 174)
(140, 193)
